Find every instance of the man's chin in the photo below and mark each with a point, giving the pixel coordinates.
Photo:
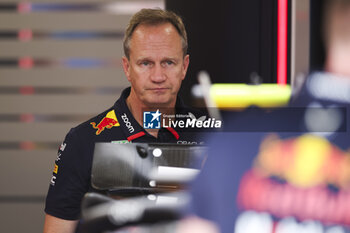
(158, 103)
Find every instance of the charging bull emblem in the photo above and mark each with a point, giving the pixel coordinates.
(109, 121)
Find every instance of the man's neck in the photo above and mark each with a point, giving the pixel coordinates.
(137, 108)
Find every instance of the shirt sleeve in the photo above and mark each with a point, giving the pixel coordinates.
(70, 180)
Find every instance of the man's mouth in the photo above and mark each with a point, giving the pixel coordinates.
(158, 89)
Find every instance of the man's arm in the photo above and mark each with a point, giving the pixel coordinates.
(58, 225)
(69, 183)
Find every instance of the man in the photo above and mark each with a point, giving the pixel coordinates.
(155, 63)
(287, 170)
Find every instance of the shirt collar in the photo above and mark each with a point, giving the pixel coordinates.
(130, 127)
(128, 124)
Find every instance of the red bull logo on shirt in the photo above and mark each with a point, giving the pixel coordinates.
(109, 121)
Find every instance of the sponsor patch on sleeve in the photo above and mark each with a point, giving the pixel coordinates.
(55, 170)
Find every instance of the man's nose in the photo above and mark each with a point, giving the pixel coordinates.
(158, 74)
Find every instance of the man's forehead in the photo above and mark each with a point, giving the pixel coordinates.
(146, 30)
(159, 53)
(156, 42)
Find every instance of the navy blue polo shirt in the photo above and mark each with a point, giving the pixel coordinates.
(71, 177)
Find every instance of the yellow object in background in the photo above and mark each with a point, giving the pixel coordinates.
(244, 95)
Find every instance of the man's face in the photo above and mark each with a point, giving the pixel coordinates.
(157, 66)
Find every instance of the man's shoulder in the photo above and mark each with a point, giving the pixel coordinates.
(105, 118)
(97, 123)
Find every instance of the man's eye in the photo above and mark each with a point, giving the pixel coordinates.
(145, 63)
(169, 62)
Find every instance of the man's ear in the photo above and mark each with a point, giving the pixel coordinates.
(185, 65)
(126, 67)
